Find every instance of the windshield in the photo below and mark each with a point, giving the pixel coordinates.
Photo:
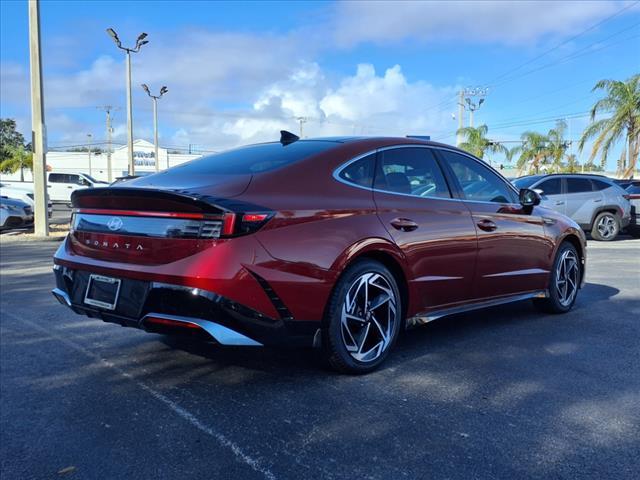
(254, 158)
(525, 182)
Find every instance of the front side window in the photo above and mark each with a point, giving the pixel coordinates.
(410, 171)
(360, 172)
(553, 186)
(578, 185)
(74, 179)
(478, 183)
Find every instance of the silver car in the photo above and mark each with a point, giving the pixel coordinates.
(595, 202)
(14, 213)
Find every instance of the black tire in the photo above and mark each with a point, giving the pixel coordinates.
(334, 349)
(553, 303)
(606, 227)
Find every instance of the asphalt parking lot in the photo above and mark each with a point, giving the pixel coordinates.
(502, 393)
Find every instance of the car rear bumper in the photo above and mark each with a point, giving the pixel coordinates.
(180, 310)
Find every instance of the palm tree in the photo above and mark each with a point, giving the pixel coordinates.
(477, 143)
(533, 151)
(556, 145)
(19, 158)
(622, 101)
(572, 163)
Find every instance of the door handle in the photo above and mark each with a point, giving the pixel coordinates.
(69, 187)
(404, 224)
(559, 203)
(598, 200)
(487, 225)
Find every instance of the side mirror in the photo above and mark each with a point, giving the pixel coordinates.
(529, 198)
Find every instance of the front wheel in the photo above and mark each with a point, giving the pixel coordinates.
(363, 318)
(606, 227)
(564, 282)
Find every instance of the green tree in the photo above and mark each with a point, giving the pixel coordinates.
(9, 137)
(18, 159)
(533, 152)
(622, 101)
(477, 143)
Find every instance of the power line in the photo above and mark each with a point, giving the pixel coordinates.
(570, 39)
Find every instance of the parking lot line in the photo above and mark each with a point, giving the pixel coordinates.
(175, 407)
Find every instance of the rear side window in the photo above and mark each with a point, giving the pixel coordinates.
(478, 182)
(578, 185)
(360, 172)
(410, 171)
(57, 178)
(599, 184)
(553, 186)
(254, 158)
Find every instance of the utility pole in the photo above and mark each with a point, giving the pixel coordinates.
(155, 98)
(89, 150)
(460, 117)
(38, 141)
(107, 109)
(139, 43)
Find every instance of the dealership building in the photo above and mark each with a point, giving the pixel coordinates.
(96, 163)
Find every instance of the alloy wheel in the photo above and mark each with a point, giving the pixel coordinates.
(368, 317)
(567, 277)
(607, 226)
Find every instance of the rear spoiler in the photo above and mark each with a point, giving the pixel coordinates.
(154, 200)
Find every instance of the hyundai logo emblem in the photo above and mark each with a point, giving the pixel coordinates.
(115, 224)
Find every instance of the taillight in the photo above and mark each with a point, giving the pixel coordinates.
(626, 197)
(182, 225)
(235, 224)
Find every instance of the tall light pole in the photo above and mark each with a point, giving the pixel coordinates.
(38, 142)
(302, 121)
(155, 98)
(89, 150)
(139, 43)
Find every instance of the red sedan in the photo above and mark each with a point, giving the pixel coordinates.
(336, 243)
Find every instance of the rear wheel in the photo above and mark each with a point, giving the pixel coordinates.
(564, 282)
(363, 318)
(606, 227)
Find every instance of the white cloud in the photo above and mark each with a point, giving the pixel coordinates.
(509, 22)
(364, 103)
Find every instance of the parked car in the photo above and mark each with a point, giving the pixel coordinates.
(61, 185)
(595, 202)
(633, 191)
(335, 243)
(14, 213)
(23, 192)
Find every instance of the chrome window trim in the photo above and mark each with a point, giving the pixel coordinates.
(338, 170)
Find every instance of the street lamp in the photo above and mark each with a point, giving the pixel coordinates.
(155, 98)
(139, 43)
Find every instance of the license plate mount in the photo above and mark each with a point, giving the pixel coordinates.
(102, 292)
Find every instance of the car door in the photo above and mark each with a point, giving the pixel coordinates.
(582, 201)
(57, 186)
(514, 254)
(434, 231)
(552, 195)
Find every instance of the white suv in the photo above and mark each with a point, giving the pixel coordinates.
(595, 202)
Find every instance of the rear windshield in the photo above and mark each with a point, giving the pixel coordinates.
(254, 158)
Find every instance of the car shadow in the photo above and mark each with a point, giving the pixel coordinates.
(413, 343)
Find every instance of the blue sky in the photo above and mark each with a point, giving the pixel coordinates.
(238, 72)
